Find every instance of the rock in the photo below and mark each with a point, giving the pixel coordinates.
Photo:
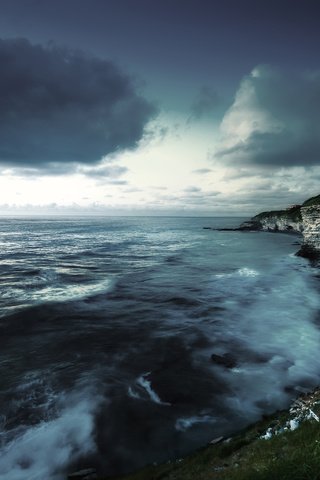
(216, 440)
(228, 229)
(311, 232)
(251, 225)
(226, 360)
(85, 474)
(268, 434)
(294, 424)
(308, 251)
(288, 220)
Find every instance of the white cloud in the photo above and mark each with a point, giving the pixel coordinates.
(273, 122)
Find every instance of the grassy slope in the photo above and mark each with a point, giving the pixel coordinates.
(312, 201)
(292, 455)
(293, 213)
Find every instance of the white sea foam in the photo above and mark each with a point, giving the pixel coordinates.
(61, 293)
(241, 272)
(183, 424)
(54, 291)
(143, 382)
(133, 393)
(274, 316)
(247, 272)
(45, 450)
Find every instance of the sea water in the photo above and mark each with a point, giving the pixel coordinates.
(114, 333)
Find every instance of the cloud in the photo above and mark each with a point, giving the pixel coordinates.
(273, 122)
(192, 189)
(201, 171)
(207, 102)
(59, 106)
(103, 171)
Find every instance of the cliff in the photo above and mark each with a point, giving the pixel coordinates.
(288, 220)
(311, 232)
(303, 219)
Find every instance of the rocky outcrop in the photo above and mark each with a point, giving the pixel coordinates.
(299, 219)
(303, 219)
(311, 232)
(288, 220)
(283, 223)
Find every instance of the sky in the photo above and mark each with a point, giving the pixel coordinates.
(158, 107)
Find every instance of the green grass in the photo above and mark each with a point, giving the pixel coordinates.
(312, 201)
(292, 214)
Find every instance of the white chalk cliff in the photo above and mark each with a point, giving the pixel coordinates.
(303, 219)
(311, 231)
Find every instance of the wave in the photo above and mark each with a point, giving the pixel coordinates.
(145, 384)
(46, 449)
(49, 286)
(273, 317)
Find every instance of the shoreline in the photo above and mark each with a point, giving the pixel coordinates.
(280, 446)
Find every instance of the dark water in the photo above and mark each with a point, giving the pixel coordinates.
(107, 331)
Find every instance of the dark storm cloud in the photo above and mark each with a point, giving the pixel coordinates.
(59, 106)
(274, 121)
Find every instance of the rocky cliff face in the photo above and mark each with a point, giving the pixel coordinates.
(303, 219)
(281, 223)
(311, 231)
(289, 220)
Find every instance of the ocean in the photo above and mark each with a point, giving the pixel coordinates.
(127, 341)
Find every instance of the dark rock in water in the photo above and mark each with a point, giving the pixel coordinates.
(225, 360)
(227, 229)
(250, 225)
(86, 474)
(308, 251)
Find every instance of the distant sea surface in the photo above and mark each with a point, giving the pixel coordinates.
(108, 327)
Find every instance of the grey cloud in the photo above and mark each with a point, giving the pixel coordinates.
(283, 149)
(282, 117)
(155, 132)
(207, 102)
(59, 106)
(105, 171)
(192, 189)
(236, 174)
(202, 171)
(118, 182)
